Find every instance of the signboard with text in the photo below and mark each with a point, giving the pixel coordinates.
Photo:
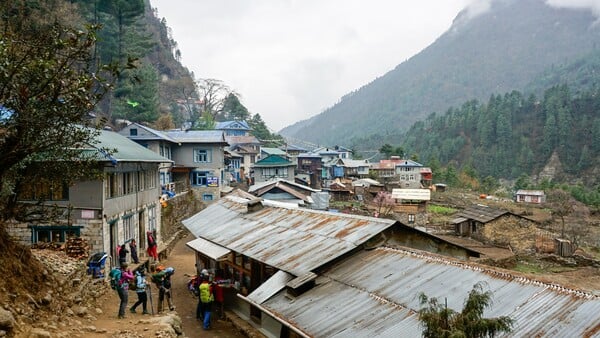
(212, 181)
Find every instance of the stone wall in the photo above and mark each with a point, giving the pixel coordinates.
(179, 208)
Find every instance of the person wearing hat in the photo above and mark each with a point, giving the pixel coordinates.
(140, 290)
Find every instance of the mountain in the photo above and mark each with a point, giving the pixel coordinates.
(505, 48)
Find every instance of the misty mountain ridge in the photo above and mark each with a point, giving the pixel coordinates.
(513, 45)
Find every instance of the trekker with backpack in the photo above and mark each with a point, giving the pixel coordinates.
(206, 298)
(120, 278)
(162, 280)
(140, 290)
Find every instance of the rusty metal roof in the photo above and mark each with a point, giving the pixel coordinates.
(376, 294)
(290, 239)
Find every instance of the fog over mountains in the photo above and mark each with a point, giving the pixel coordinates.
(492, 48)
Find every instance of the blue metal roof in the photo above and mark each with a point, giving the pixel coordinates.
(197, 136)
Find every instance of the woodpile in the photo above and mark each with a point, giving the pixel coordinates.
(56, 246)
(77, 247)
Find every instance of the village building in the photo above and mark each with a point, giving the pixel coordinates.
(310, 169)
(233, 165)
(248, 147)
(198, 159)
(367, 188)
(374, 293)
(530, 196)
(121, 205)
(497, 226)
(272, 167)
(403, 173)
(411, 206)
(284, 191)
(157, 141)
(246, 240)
(292, 151)
(233, 128)
(296, 272)
(268, 151)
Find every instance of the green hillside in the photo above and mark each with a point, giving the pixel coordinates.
(499, 51)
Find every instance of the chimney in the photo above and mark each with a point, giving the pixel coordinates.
(254, 205)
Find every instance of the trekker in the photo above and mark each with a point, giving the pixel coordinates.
(199, 308)
(123, 276)
(123, 255)
(152, 247)
(206, 298)
(163, 282)
(133, 250)
(140, 290)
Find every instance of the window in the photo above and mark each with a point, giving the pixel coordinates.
(207, 197)
(202, 156)
(165, 151)
(112, 185)
(411, 218)
(46, 190)
(133, 132)
(252, 158)
(46, 234)
(151, 218)
(199, 178)
(128, 227)
(274, 172)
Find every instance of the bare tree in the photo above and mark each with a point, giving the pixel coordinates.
(212, 94)
(561, 205)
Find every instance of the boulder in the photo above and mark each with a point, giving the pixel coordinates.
(7, 320)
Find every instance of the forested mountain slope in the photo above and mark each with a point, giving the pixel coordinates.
(498, 51)
(131, 30)
(513, 134)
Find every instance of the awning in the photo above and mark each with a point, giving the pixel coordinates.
(209, 249)
(459, 220)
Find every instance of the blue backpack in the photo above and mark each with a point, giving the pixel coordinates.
(115, 278)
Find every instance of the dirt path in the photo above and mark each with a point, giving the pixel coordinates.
(182, 259)
(139, 326)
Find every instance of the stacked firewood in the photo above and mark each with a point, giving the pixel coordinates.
(77, 247)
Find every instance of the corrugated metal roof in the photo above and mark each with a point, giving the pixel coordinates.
(197, 136)
(209, 249)
(290, 239)
(530, 192)
(481, 213)
(125, 150)
(376, 293)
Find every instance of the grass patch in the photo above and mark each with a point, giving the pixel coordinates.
(525, 267)
(440, 210)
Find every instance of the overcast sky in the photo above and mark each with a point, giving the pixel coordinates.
(291, 59)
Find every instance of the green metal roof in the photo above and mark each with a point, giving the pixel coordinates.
(273, 161)
(122, 149)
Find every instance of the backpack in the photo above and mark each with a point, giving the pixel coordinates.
(157, 278)
(115, 278)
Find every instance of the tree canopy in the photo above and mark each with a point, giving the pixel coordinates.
(47, 94)
(439, 321)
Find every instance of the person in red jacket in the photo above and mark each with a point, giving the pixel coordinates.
(152, 247)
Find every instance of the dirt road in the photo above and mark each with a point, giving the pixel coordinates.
(182, 259)
(136, 325)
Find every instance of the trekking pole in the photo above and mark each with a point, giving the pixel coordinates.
(150, 292)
